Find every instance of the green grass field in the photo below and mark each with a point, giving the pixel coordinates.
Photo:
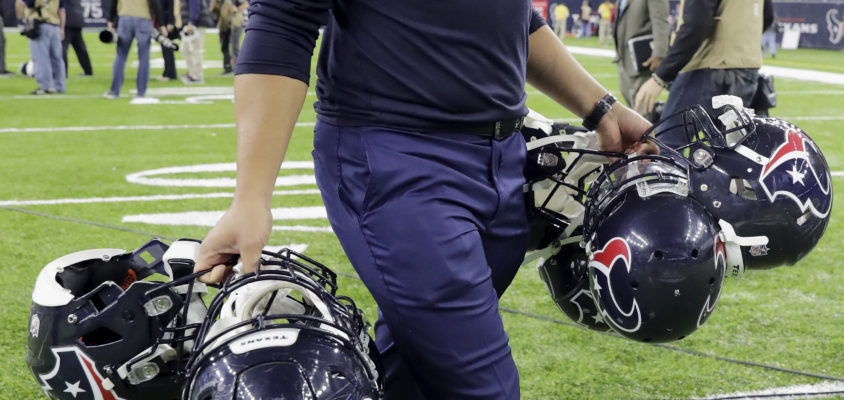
(773, 328)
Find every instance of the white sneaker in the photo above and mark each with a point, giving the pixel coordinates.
(145, 100)
(110, 95)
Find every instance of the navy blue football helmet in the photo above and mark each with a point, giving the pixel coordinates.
(282, 332)
(567, 281)
(111, 324)
(656, 257)
(764, 176)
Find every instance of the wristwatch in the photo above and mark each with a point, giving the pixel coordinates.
(602, 107)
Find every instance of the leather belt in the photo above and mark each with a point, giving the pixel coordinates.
(498, 130)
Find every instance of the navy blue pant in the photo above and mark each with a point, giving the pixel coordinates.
(435, 225)
(699, 86)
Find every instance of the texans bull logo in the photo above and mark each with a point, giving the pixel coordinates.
(835, 26)
(792, 173)
(610, 271)
(715, 290)
(79, 379)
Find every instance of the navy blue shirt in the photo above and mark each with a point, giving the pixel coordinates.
(401, 63)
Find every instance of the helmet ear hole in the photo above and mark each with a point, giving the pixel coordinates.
(742, 188)
(100, 336)
(695, 253)
(658, 255)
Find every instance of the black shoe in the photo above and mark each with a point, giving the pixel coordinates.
(6, 73)
(39, 92)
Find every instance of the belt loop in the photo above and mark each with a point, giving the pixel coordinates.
(497, 132)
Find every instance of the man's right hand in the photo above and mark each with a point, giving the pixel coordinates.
(241, 233)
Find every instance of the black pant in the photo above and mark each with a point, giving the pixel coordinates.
(225, 47)
(73, 36)
(169, 63)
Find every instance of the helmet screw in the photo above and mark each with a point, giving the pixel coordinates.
(106, 257)
(716, 204)
(758, 159)
(108, 369)
(704, 187)
(72, 318)
(676, 292)
(749, 170)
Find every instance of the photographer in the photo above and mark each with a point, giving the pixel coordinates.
(45, 33)
(134, 20)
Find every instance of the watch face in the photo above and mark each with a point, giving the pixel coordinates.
(602, 107)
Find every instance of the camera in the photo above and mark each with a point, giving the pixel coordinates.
(110, 36)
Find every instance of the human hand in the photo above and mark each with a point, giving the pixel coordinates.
(621, 130)
(189, 29)
(652, 62)
(163, 31)
(242, 231)
(646, 96)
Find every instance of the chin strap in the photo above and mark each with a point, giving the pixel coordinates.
(734, 243)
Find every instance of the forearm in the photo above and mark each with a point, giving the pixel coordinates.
(266, 109)
(553, 70)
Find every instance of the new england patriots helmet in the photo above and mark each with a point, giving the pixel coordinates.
(283, 332)
(765, 176)
(656, 257)
(111, 324)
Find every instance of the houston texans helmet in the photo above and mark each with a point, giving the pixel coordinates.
(567, 281)
(283, 332)
(656, 257)
(112, 324)
(765, 176)
(562, 160)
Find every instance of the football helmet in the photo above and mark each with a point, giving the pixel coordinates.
(111, 324)
(561, 161)
(566, 279)
(656, 259)
(765, 176)
(282, 332)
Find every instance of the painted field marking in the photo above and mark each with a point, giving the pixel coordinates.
(131, 199)
(210, 218)
(128, 127)
(148, 177)
(786, 392)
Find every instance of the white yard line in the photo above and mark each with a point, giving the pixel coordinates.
(787, 392)
(781, 72)
(131, 199)
(126, 127)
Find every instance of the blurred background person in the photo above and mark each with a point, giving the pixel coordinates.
(170, 73)
(636, 19)
(134, 19)
(605, 25)
(706, 59)
(73, 37)
(769, 38)
(46, 49)
(585, 15)
(3, 71)
(197, 14)
(561, 16)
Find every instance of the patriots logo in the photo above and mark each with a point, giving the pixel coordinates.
(792, 173)
(715, 291)
(79, 378)
(610, 271)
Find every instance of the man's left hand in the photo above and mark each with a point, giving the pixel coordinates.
(646, 96)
